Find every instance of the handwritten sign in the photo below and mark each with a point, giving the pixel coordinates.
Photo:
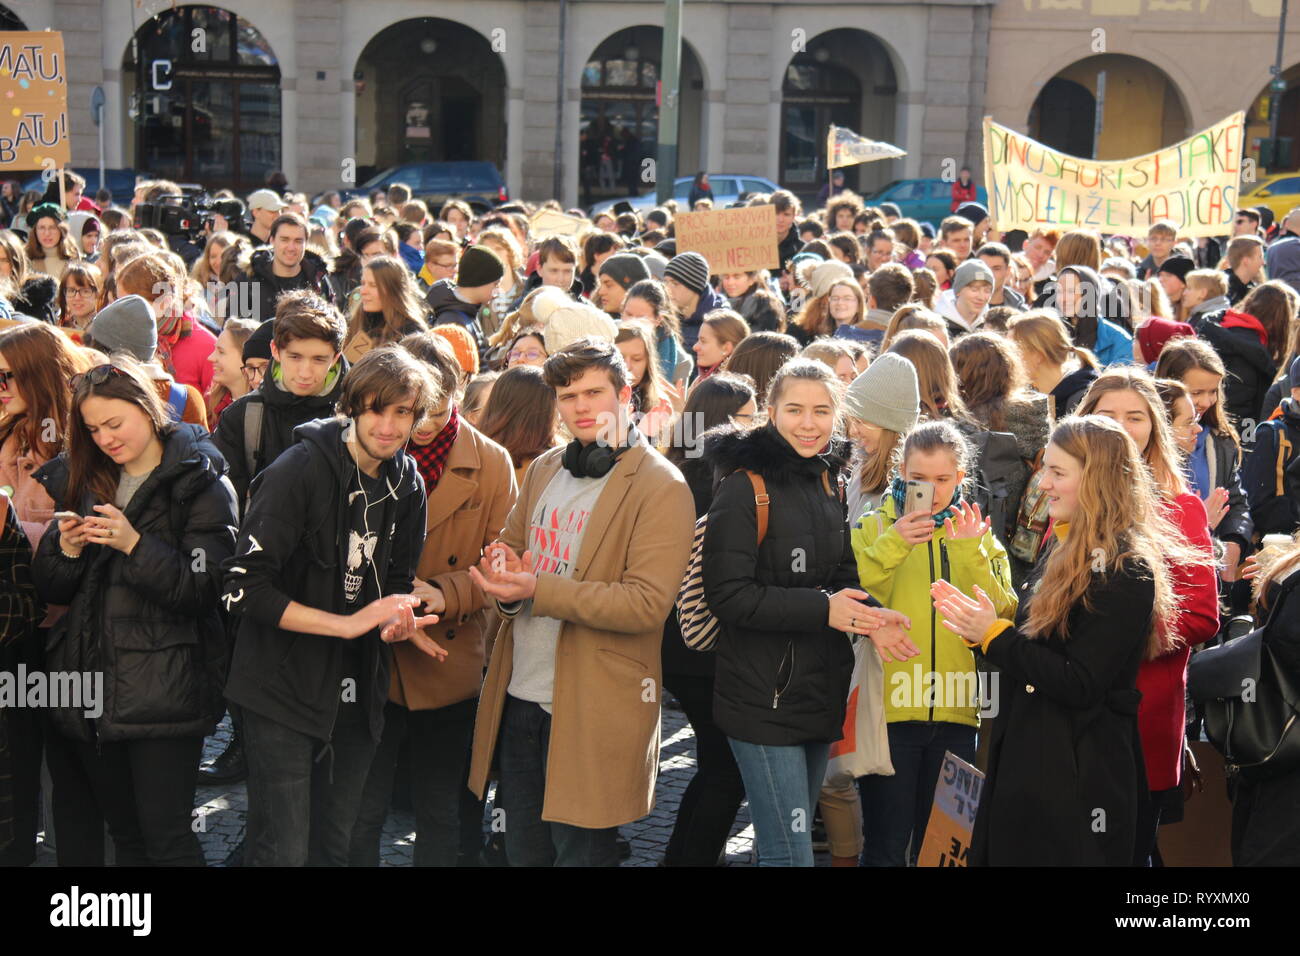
(1194, 183)
(732, 240)
(548, 222)
(952, 818)
(33, 101)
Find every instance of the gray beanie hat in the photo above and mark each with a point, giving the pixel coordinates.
(690, 269)
(886, 394)
(126, 325)
(972, 270)
(625, 268)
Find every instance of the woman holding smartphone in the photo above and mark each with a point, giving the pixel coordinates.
(140, 568)
(1065, 773)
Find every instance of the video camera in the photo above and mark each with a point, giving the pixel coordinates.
(188, 214)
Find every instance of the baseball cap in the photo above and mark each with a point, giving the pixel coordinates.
(265, 199)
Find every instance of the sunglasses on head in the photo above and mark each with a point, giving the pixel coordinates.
(96, 376)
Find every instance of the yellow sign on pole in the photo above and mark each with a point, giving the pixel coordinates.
(33, 101)
(1194, 183)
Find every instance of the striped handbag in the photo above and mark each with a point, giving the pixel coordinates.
(698, 625)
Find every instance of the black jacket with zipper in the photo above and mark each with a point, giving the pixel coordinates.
(1250, 368)
(147, 621)
(293, 546)
(782, 674)
(265, 287)
(282, 412)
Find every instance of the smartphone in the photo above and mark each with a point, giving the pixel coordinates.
(68, 516)
(919, 497)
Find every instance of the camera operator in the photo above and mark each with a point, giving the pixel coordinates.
(165, 192)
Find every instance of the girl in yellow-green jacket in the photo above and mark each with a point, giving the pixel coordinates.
(931, 701)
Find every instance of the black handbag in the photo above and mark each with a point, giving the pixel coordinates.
(1251, 705)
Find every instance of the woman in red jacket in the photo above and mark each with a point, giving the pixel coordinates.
(1129, 396)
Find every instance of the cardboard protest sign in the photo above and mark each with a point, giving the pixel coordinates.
(33, 101)
(1194, 183)
(548, 222)
(732, 240)
(846, 148)
(956, 800)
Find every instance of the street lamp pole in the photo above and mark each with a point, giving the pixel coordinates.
(1278, 86)
(669, 101)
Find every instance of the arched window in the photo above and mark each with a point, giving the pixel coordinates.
(207, 98)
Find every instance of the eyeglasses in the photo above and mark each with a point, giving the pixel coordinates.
(254, 371)
(738, 417)
(6, 376)
(96, 376)
(532, 355)
(80, 293)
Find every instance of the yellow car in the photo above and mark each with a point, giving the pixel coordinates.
(1280, 192)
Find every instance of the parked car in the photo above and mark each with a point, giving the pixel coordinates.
(121, 183)
(727, 189)
(477, 183)
(925, 200)
(1279, 192)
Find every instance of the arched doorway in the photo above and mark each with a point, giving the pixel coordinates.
(204, 92)
(1288, 121)
(844, 77)
(1142, 110)
(618, 124)
(429, 90)
(10, 22)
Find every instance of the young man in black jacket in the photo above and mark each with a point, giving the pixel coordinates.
(458, 301)
(303, 382)
(285, 265)
(322, 577)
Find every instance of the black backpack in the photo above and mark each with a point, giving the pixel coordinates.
(999, 468)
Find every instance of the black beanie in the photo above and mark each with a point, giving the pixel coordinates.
(1178, 266)
(479, 266)
(37, 298)
(258, 345)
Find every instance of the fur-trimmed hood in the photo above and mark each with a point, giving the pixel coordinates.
(765, 451)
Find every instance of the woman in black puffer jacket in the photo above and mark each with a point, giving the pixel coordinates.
(784, 661)
(140, 572)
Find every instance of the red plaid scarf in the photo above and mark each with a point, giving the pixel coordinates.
(431, 459)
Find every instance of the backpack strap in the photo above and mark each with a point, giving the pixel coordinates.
(761, 501)
(253, 434)
(178, 400)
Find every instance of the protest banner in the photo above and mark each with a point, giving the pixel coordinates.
(548, 222)
(732, 240)
(952, 818)
(846, 148)
(33, 101)
(1194, 183)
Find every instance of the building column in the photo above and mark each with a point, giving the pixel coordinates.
(83, 47)
(541, 66)
(749, 134)
(956, 65)
(313, 151)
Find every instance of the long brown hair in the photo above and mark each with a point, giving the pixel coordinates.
(90, 471)
(1079, 247)
(521, 415)
(1119, 517)
(651, 389)
(1274, 304)
(43, 361)
(1045, 333)
(759, 355)
(989, 375)
(399, 297)
(18, 264)
(1161, 454)
(1179, 357)
(65, 247)
(85, 275)
(934, 374)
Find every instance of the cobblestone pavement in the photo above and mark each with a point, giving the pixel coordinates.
(222, 809)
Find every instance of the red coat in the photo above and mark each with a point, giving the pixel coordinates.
(962, 194)
(1163, 681)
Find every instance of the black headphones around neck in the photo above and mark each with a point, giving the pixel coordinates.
(597, 459)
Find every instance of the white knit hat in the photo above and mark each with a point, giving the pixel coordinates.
(827, 274)
(573, 321)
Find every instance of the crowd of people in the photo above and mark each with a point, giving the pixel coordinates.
(416, 496)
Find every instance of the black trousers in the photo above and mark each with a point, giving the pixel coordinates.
(711, 800)
(448, 818)
(143, 790)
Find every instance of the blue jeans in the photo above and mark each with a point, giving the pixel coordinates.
(896, 810)
(303, 798)
(782, 784)
(521, 788)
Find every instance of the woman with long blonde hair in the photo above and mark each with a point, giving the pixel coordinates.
(1129, 397)
(1065, 769)
(388, 308)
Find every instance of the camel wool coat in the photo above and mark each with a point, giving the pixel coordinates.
(604, 744)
